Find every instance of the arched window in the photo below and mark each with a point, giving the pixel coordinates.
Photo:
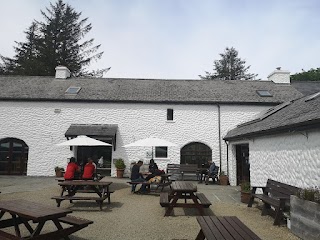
(195, 153)
(13, 156)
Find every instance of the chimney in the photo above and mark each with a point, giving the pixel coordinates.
(62, 72)
(280, 76)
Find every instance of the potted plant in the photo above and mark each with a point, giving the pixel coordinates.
(59, 171)
(120, 166)
(245, 192)
(304, 213)
(223, 178)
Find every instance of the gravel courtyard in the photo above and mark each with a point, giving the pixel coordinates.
(133, 216)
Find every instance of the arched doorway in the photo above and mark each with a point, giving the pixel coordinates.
(195, 153)
(13, 156)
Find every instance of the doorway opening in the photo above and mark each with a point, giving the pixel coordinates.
(195, 153)
(243, 164)
(13, 156)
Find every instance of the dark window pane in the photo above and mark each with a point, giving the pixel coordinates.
(161, 152)
(169, 114)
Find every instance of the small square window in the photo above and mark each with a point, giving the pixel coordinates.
(264, 93)
(161, 152)
(170, 114)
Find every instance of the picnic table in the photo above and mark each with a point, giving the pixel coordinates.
(213, 228)
(183, 190)
(23, 211)
(70, 188)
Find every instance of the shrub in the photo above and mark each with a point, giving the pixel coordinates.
(119, 163)
(245, 186)
(310, 194)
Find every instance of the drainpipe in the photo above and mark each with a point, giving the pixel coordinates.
(219, 130)
(227, 156)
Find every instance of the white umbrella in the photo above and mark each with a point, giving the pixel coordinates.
(151, 142)
(83, 140)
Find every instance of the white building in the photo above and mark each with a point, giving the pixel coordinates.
(283, 143)
(39, 112)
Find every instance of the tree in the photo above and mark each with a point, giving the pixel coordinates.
(55, 41)
(229, 67)
(311, 75)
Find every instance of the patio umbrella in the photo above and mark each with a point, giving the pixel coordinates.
(83, 140)
(151, 142)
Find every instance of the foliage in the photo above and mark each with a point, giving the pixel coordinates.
(310, 194)
(222, 173)
(58, 169)
(311, 75)
(229, 67)
(52, 42)
(245, 186)
(119, 163)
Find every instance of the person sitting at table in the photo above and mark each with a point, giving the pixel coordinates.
(152, 166)
(89, 170)
(136, 176)
(211, 172)
(72, 168)
(204, 170)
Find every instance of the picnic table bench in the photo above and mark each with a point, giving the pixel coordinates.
(212, 228)
(23, 211)
(101, 188)
(183, 190)
(177, 170)
(275, 194)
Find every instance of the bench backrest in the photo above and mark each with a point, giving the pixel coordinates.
(173, 170)
(278, 189)
(189, 168)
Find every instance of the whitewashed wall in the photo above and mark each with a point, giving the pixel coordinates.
(41, 128)
(292, 158)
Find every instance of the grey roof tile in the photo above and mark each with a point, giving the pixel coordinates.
(144, 90)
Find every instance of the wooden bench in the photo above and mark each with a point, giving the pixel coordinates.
(191, 169)
(213, 227)
(173, 170)
(275, 194)
(203, 200)
(99, 200)
(75, 221)
(164, 199)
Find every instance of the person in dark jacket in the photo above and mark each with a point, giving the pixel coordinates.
(136, 176)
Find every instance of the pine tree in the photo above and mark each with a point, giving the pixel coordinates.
(55, 41)
(229, 67)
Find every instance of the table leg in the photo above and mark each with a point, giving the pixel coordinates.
(197, 204)
(59, 227)
(172, 204)
(27, 225)
(38, 229)
(200, 235)
(16, 225)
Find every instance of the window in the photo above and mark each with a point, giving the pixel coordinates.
(170, 114)
(264, 93)
(161, 152)
(73, 90)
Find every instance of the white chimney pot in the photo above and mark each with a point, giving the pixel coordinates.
(62, 72)
(280, 76)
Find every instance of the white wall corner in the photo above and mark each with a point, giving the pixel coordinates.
(280, 76)
(62, 72)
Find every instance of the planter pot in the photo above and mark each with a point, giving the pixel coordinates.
(224, 180)
(245, 197)
(120, 173)
(305, 218)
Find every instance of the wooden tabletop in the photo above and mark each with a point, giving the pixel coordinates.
(213, 227)
(180, 186)
(31, 210)
(84, 183)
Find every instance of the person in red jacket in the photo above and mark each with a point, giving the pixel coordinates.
(89, 170)
(72, 168)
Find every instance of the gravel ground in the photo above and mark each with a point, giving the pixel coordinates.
(132, 216)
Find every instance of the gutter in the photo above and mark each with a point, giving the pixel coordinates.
(219, 133)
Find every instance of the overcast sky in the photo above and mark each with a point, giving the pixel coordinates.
(180, 39)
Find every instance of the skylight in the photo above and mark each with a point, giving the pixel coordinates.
(264, 93)
(73, 90)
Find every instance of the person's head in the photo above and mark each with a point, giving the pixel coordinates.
(140, 163)
(209, 161)
(151, 161)
(72, 159)
(90, 160)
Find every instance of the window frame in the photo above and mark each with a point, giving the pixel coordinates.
(156, 153)
(169, 114)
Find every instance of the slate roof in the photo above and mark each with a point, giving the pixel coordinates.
(306, 87)
(296, 115)
(143, 90)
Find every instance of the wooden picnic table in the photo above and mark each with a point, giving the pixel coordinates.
(213, 228)
(70, 188)
(183, 190)
(23, 211)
